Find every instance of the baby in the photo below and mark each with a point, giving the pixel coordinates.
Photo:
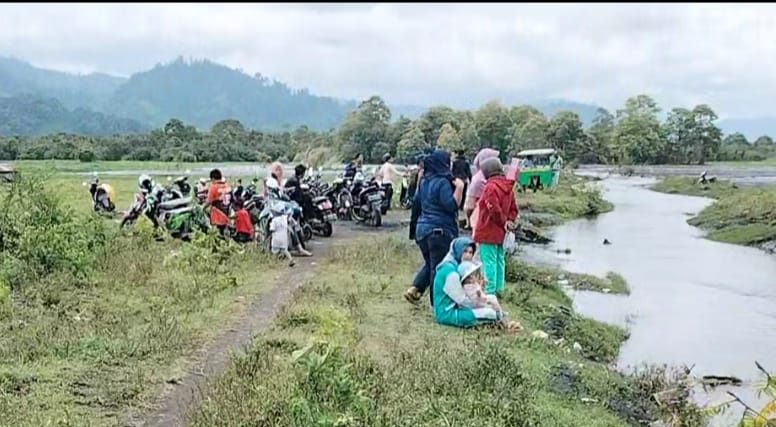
(473, 285)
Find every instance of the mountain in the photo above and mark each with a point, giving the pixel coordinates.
(550, 107)
(751, 128)
(87, 91)
(203, 93)
(34, 115)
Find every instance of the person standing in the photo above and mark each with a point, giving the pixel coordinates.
(436, 209)
(477, 185)
(498, 212)
(386, 175)
(463, 171)
(219, 201)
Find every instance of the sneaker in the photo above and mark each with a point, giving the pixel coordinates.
(412, 295)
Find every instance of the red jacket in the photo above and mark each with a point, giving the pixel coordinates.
(497, 206)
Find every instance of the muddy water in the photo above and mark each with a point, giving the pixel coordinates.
(693, 301)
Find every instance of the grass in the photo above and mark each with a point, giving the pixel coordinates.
(690, 187)
(549, 277)
(349, 351)
(100, 327)
(574, 197)
(71, 166)
(744, 216)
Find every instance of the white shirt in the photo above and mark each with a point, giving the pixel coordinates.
(279, 229)
(387, 172)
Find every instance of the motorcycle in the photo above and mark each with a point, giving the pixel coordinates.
(179, 215)
(406, 196)
(340, 197)
(370, 199)
(102, 196)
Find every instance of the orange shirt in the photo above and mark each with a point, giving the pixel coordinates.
(219, 197)
(244, 223)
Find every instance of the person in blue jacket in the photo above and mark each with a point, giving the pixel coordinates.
(434, 222)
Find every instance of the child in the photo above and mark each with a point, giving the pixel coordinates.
(244, 225)
(278, 228)
(473, 284)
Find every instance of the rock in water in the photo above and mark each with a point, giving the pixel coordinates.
(607, 242)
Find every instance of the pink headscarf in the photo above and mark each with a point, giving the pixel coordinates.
(478, 180)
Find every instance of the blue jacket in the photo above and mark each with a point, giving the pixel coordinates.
(434, 205)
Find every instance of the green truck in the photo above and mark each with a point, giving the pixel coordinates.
(536, 170)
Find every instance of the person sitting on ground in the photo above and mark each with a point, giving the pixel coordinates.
(451, 305)
(474, 287)
(244, 224)
(278, 229)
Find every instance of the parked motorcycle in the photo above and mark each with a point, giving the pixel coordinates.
(102, 196)
(369, 203)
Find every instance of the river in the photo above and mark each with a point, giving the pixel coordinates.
(693, 301)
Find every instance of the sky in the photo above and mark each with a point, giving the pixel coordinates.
(427, 54)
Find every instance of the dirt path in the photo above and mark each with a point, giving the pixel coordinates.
(178, 400)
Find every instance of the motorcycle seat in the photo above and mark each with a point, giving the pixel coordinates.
(320, 199)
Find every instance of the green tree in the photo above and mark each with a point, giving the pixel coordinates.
(737, 139)
(637, 135)
(412, 142)
(602, 128)
(470, 140)
(493, 125)
(678, 139)
(431, 122)
(449, 138)
(364, 128)
(706, 137)
(531, 134)
(565, 133)
(764, 141)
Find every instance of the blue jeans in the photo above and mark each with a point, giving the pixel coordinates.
(434, 247)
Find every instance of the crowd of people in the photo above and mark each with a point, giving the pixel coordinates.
(464, 276)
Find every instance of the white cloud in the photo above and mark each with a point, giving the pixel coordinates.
(426, 54)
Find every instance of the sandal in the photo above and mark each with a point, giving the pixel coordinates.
(412, 295)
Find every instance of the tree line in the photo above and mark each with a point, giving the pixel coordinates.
(633, 134)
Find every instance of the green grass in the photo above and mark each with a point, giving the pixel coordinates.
(744, 216)
(349, 351)
(574, 197)
(550, 277)
(70, 166)
(690, 187)
(91, 330)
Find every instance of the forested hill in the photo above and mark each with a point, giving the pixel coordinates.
(202, 93)
(35, 115)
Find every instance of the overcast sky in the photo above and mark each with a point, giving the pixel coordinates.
(724, 55)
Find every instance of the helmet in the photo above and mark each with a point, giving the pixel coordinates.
(145, 183)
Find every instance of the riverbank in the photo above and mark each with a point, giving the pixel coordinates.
(740, 215)
(348, 350)
(97, 347)
(574, 197)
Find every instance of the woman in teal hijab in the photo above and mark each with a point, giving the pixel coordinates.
(451, 305)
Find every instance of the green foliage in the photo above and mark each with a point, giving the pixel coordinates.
(40, 236)
(365, 130)
(744, 216)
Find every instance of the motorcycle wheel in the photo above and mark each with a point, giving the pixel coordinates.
(307, 232)
(328, 229)
(377, 218)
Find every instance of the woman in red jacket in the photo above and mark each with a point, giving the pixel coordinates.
(497, 213)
